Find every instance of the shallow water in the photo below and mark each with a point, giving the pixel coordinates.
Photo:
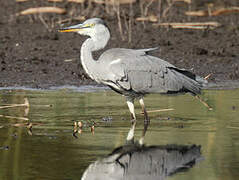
(50, 151)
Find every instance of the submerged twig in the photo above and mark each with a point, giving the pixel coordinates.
(160, 110)
(14, 117)
(203, 102)
(26, 104)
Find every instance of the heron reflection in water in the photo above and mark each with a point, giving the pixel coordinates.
(132, 73)
(134, 161)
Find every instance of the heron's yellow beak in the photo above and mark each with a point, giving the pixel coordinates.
(75, 28)
(69, 30)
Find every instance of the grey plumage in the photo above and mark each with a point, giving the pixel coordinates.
(130, 72)
(134, 71)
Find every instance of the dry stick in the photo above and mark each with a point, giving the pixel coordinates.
(55, 1)
(196, 13)
(150, 18)
(141, 4)
(225, 11)
(216, 12)
(76, 1)
(147, 7)
(47, 0)
(130, 31)
(130, 23)
(144, 13)
(186, 1)
(26, 103)
(203, 102)
(39, 10)
(119, 22)
(167, 9)
(87, 10)
(125, 21)
(160, 110)
(21, 0)
(231, 127)
(159, 10)
(191, 25)
(13, 117)
(44, 23)
(208, 76)
(198, 97)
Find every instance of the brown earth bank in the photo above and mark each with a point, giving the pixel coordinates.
(33, 54)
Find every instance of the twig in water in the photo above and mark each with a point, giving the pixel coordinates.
(159, 110)
(26, 104)
(13, 117)
(203, 102)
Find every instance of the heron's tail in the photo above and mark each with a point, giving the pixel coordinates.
(191, 82)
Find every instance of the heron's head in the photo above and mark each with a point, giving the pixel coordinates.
(91, 27)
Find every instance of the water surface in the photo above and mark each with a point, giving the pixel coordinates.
(50, 151)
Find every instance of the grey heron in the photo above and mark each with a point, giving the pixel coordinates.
(132, 73)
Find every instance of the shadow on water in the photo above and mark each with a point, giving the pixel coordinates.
(38, 142)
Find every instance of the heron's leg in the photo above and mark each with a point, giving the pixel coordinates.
(146, 117)
(130, 103)
(146, 121)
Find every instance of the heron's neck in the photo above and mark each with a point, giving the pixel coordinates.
(90, 45)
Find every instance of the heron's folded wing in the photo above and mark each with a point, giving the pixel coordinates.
(146, 51)
(138, 73)
(119, 75)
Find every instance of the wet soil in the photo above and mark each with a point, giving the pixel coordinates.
(34, 54)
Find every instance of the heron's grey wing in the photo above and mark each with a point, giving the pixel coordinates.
(133, 70)
(145, 51)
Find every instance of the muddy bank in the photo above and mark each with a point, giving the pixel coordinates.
(32, 55)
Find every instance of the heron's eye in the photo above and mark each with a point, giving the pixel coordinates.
(92, 25)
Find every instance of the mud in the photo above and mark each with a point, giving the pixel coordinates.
(37, 56)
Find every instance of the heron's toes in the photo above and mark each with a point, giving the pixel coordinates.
(141, 141)
(130, 141)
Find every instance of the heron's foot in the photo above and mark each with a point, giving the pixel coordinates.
(130, 141)
(133, 121)
(141, 141)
